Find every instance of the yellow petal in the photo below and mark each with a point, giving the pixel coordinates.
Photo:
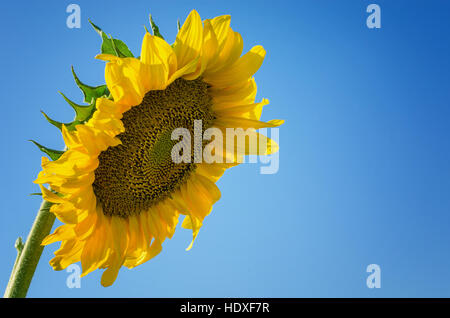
(152, 251)
(242, 70)
(70, 139)
(69, 253)
(210, 44)
(155, 224)
(110, 274)
(200, 204)
(65, 212)
(49, 196)
(187, 69)
(119, 235)
(194, 224)
(96, 251)
(64, 232)
(125, 82)
(242, 94)
(85, 228)
(213, 171)
(240, 143)
(157, 51)
(249, 111)
(208, 188)
(228, 54)
(245, 123)
(221, 27)
(209, 51)
(188, 43)
(170, 216)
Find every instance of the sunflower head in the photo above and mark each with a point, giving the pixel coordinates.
(116, 187)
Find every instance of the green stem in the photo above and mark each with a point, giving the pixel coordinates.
(26, 263)
(19, 248)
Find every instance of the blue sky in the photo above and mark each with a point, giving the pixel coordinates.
(364, 161)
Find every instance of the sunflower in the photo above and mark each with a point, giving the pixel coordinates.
(116, 188)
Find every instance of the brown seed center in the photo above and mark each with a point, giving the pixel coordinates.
(138, 173)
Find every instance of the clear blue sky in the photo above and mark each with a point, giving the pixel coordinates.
(364, 162)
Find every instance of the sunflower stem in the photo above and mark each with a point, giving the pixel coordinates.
(28, 258)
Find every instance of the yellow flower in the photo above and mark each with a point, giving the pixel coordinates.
(116, 188)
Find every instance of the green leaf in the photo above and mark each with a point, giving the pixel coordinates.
(110, 45)
(155, 28)
(52, 153)
(90, 92)
(82, 113)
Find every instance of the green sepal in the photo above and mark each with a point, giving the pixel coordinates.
(53, 122)
(52, 153)
(82, 113)
(155, 28)
(70, 126)
(90, 92)
(112, 46)
(178, 25)
(36, 193)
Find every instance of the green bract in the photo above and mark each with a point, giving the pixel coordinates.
(84, 112)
